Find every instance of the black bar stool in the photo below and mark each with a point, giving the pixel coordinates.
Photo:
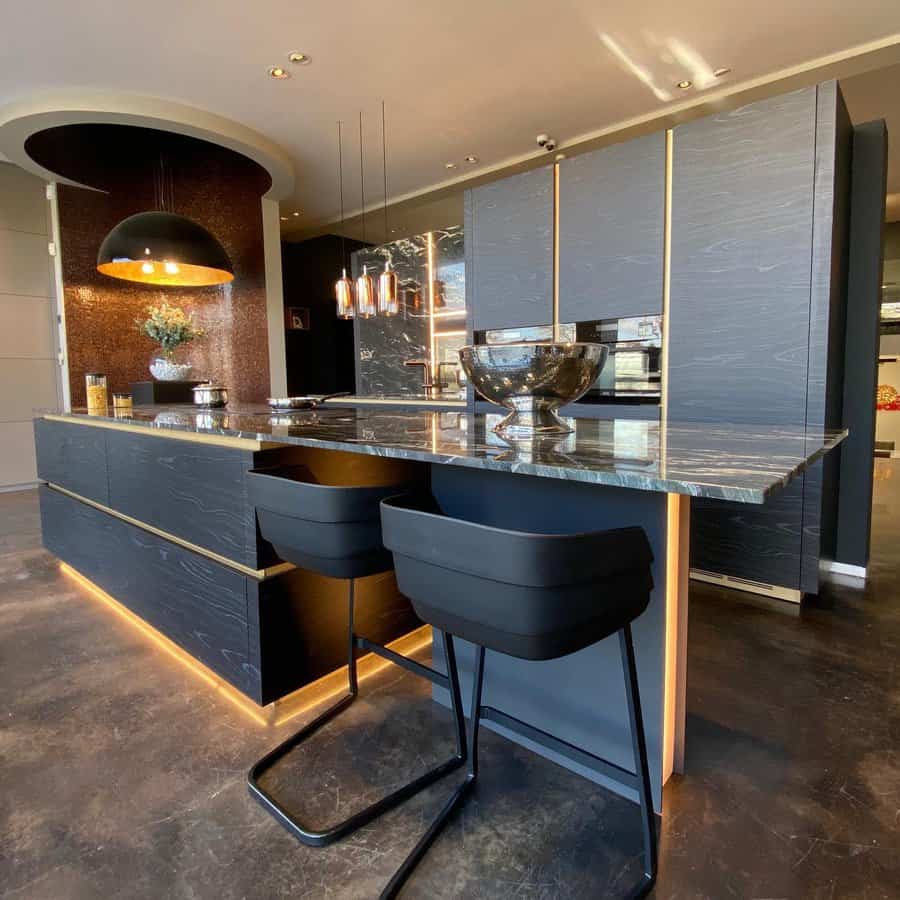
(531, 596)
(335, 530)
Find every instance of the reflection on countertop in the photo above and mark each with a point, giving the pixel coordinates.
(730, 462)
(455, 400)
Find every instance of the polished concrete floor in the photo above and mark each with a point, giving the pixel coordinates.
(122, 775)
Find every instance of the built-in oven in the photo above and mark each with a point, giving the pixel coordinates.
(633, 369)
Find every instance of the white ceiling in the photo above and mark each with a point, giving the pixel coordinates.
(465, 77)
(876, 95)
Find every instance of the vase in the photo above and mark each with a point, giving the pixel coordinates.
(170, 367)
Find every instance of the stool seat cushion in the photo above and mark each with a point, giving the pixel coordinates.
(534, 596)
(331, 529)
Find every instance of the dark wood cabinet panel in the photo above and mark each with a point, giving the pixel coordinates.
(758, 543)
(196, 602)
(509, 251)
(72, 456)
(611, 224)
(744, 185)
(742, 225)
(192, 490)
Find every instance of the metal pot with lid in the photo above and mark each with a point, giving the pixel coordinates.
(210, 395)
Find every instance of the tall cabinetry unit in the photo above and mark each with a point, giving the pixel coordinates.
(509, 251)
(611, 219)
(756, 311)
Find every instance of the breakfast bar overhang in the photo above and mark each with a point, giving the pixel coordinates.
(153, 510)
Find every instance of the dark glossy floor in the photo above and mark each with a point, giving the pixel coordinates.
(122, 775)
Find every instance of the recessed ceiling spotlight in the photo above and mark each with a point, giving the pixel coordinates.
(300, 59)
(472, 159)
(296, 213)
(284, 218)
(684, 85)
(449, 165)
(719, 73)
(278, 72)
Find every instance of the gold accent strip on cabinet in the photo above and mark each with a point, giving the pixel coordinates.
(258, 574)
(667, 275)
(556, 251)
(197, 437)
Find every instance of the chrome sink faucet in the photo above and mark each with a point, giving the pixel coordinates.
(432, 388)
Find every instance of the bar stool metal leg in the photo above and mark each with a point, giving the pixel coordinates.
(640, 779)
(641, 766)
(323, 837)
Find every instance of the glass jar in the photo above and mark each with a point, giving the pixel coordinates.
(123, 405)
(96, 390)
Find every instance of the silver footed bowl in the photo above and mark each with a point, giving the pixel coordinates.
(532, 380)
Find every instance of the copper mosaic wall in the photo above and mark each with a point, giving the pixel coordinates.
(217, 188)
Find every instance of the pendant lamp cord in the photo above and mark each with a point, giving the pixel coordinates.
(384, 170)
(362, 181)
(341, 179)
(164, 188)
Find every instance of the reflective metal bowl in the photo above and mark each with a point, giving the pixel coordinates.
(532, 380)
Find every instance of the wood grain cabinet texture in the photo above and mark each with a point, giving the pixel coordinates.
(611, 229)
(753, 204)
(73, 457)
(509, 251)
(194, 491)
(196, 602)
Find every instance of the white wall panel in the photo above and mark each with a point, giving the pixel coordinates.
(26, 327)
(17, 465)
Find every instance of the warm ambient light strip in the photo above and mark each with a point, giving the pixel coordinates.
(431, 339)
(288, 707)
(678, 522)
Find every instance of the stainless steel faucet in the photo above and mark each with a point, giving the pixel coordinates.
(432, 388)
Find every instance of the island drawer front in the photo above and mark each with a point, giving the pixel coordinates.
(196, 602)
(194, 491)
(72, 456)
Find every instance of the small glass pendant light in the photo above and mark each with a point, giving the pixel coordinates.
(365, 295)
(388, 300)
(343, 287)
(343, 293)
(365, 283)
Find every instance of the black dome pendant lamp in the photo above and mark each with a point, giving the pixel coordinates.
(162, 248)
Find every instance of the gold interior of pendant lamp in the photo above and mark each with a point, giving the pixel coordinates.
(165, 273)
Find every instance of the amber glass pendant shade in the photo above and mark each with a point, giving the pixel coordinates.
(388, 300)
(365, 295)
(165, 249)
(343, 294)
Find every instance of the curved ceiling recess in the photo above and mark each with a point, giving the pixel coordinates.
(19, 121)
(161, 173)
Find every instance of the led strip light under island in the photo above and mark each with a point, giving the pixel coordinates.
(196, 538)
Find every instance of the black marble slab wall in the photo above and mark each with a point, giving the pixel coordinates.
(430, 268)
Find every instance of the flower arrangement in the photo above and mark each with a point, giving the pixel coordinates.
(169, 326)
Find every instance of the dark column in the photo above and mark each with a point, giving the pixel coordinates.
(868, 188)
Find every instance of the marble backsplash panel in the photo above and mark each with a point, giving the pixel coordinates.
(384, 344)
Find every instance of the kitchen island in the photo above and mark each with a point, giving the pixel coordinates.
(153, 509)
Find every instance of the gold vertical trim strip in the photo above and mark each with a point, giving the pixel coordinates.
(556, 251)
(667, 274)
